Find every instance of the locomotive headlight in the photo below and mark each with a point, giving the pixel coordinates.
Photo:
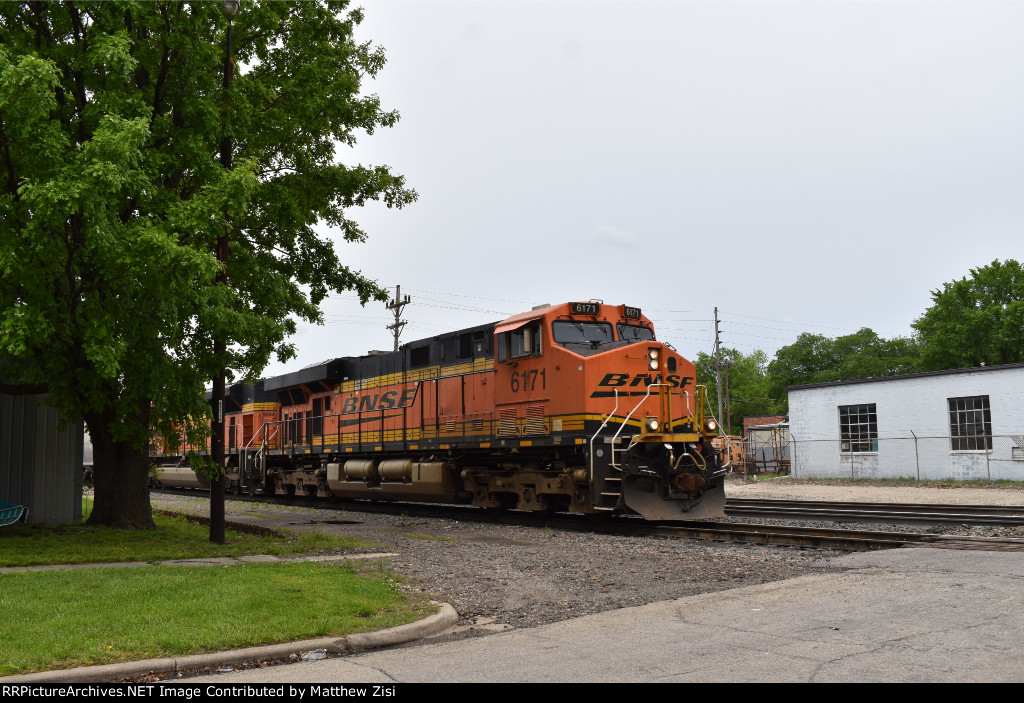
(710, 426)
(652, 425)
(652, 360)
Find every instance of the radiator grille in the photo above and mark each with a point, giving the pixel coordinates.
(536, 423)
(507, 422)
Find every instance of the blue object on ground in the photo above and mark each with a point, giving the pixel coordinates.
(11, 513)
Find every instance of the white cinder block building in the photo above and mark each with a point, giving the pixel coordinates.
(964, 424)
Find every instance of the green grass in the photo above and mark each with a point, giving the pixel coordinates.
(58, 619)
(174, 538)
(77, 617)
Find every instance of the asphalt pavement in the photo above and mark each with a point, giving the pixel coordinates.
(904, 615)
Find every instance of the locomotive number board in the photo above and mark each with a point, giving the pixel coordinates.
(584, 308)
(630, 312)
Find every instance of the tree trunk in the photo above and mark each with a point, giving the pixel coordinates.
(121, 480)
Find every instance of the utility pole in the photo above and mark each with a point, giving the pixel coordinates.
(728, 409)
(718, 370)
(217, 456)
(397, 304)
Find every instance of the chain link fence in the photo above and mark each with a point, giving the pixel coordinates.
(913, 457)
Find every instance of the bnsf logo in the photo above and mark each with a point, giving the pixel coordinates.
(379, 401)
(638, 381)
(641, 380)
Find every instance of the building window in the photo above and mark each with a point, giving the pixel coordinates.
(970, 423)
(858, 428)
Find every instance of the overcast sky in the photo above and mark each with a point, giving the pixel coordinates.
(803, 166)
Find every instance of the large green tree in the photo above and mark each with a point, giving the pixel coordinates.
(978, 320)
(814, 358)
(112, 198)
(744, 385)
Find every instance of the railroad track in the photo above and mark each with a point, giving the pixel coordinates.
(894, 513)
(724, 530)
(826, 538)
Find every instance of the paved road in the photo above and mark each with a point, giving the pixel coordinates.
(898, 615)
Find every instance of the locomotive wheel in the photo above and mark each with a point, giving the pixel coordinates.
(548, 510)
(550, 505)
(507, 501)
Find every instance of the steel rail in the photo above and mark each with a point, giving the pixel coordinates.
(824, 538)
(787, 535)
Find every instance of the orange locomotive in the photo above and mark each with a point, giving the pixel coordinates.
(573, 406)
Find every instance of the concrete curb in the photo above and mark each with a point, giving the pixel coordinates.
(445, 618)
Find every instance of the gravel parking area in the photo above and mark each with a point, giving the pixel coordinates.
(502, 576)
(523, 576)
(783, 488)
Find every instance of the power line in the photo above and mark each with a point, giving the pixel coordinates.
(787, 322)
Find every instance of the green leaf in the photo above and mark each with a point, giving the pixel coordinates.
(113, 116)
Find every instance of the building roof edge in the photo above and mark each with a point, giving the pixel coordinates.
(901, 377)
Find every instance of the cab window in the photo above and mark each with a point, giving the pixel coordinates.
(634, 333)
(525, 341)
(577, 332)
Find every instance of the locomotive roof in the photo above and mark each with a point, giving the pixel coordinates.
(239, 393)
(332, 370)
(318, 376)
(445, 335)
